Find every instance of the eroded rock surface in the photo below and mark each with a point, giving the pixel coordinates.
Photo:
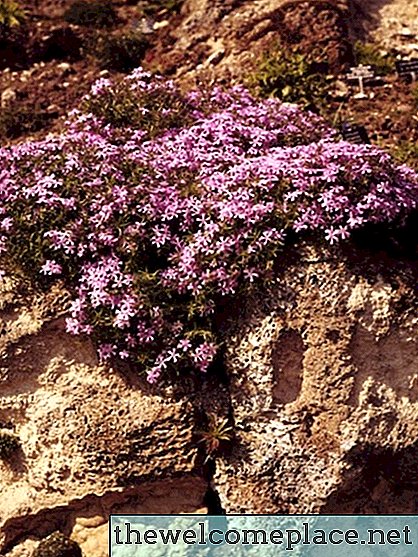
(223, 39)
(323, 387)
(94, 441)
(324, 372)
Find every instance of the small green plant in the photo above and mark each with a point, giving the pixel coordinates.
(57, 545)
(370, 54)
(291, 77)
(9, 444)
(96, 13)
(122, 52)
(407, 153)
(218, 431)
(11, 14)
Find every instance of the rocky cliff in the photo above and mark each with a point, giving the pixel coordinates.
(94, 440)
(324, 391)
(320, 372)
(222, 39)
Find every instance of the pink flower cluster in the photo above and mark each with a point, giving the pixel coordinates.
(150, 230)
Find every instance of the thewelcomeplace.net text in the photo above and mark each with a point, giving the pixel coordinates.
(288, 538)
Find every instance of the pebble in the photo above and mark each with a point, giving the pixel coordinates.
(7, 95)
(406, 32)
(215, 57)
(25, 75)
(64, 66)
(161, 24)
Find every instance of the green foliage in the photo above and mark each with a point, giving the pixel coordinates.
(96, 13)
(11, 14)
(9, 444)
(57, 545)
(369, 54)
(407, 153)
(118, 107)
(16, 120)
(218, 432)
(291, 77)
(122, 52)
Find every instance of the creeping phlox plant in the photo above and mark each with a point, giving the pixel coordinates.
(152, 206)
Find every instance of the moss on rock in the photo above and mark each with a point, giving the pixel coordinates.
(57, 545)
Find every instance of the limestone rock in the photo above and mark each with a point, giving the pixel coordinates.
(93, 440)
(245, 29)
(324, 391)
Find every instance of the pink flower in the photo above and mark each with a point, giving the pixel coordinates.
(156, 220)
(51, 268)
(331, 236)
(106, 351)
(184, 345)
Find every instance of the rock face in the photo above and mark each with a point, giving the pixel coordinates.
(322, 368)
(324, 391)
(391, 24)
(224, 38)
(94, 441)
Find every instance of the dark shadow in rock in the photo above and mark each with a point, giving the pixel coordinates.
(17, 463)
(379, 482)
(287, 359)
(14, 49)
(385, 251)
(213, 502)
(396, 239)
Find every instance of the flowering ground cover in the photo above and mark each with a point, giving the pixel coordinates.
(152, 206)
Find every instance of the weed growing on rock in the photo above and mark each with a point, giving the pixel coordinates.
(88, 13)
(217, 433)
(291, 77)
(9, 444)
(153, 206)
(407, 152)
(57, 545)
